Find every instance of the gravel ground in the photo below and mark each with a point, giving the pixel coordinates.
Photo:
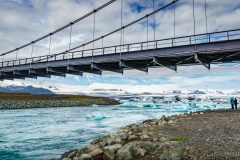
(212, 135)
(208, 135)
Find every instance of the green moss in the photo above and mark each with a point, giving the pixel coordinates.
(28, 96)
(179, 139)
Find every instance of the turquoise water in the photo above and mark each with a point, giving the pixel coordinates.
(46, 133)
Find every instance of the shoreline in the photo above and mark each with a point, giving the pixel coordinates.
(26, 100)
(181, 136)
(4, 105)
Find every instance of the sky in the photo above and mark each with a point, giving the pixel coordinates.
(22, 21)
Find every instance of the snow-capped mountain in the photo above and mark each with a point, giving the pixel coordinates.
(209, 91)
(172, 92)
(52, 88)
(86, 90)
(196, 92)
(22, 88)
(107, 90)
(235, 92)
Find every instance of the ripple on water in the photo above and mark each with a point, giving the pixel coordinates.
(46, 133)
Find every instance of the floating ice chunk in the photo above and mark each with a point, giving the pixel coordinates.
(88, 116)
(147, 105)
(184, 101)
(179, 110)
(99, 117)
(193, 104)
(95, 116)
(129, 106)
(133, 100)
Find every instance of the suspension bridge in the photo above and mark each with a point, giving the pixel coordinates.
(197, 49)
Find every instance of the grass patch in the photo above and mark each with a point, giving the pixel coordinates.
(28, 96)
(179, 139)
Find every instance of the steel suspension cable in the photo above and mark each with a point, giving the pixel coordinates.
(70, 43)
(50, 43)
(2, 60)
(83, 51)
(123, 39)
(31, 55)
(147, 31)
(16, 57)
(62, 28)
(102, 46)
(16, 54)
(70, 38)
(206, 15)
(174, 23)
(93, 35)
(194, 24)
(124, 26)
(119, 28)
(121, 31)
(154, 27)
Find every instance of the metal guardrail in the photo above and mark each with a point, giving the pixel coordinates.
(162, 43)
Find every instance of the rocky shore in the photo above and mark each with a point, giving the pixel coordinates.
(52, 103)
(212, 134)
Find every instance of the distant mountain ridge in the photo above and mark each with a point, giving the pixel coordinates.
(24, 89)
(21, 87)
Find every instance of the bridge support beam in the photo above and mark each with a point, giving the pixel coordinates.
(38, 75)
(5, 74)
(24, 74)
(11, 77)
(107, 68)
(58, 70)
(6, 78)
(81, 69)
(43, 73)
(201, 60)
(133, 66)
(160, 62)
(219, 59)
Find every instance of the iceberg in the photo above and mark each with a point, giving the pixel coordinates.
(88, 116)
(99, 117)
(95, 116)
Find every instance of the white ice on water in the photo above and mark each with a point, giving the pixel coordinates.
(172, 104)
(166, 104)
(96, 116)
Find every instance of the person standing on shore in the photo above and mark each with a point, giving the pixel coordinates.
(232, 102)
(235, 103)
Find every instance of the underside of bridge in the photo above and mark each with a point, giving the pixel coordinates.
(170, 57)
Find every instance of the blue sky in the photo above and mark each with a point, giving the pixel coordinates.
(25, 20)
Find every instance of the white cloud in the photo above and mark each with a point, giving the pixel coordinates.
(76, 78)
(21, 24)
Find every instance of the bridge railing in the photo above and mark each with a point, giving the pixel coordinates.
(162, 43)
